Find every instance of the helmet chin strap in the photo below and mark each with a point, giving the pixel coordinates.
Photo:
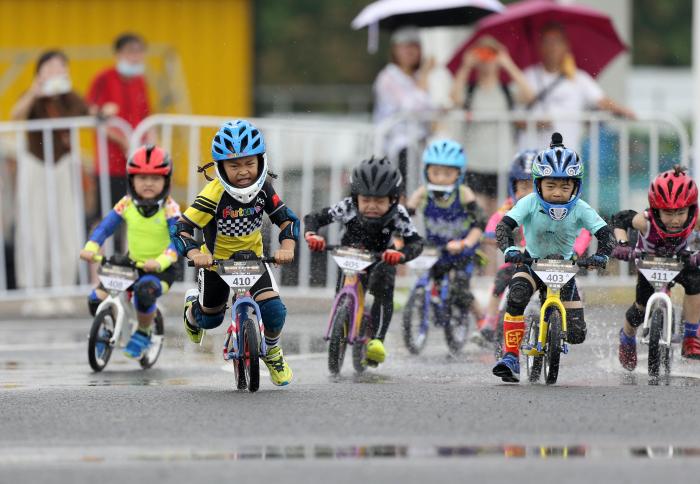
(446, 189)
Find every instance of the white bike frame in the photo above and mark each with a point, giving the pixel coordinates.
(668, 270)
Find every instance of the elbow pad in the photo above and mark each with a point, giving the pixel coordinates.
(504, 233)
(291, 231)
(183, 244)
(623, 220)
(606, 241)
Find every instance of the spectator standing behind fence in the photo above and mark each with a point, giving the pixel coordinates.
(479, 89)
(560, 89)
(121, 90)
(401, 87)
(49, 96)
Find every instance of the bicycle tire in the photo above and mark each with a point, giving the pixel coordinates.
(415, 339)
(337, 346)
(655, 328)
(533, 363)
(456, 334)
(251, 354)
(553, 348)
(96, 363)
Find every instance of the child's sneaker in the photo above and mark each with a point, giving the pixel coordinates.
(691, 347)
(508, 368)
(376, 351)
(280, 373)
(193, 332)
(137, 345)
(628, 351)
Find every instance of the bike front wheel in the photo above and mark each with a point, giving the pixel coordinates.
(553, 348)
(655, 329)
(457, 324)
(99, 346)
(251, 354)
(359, 347)
(416, 321)
(340, 327)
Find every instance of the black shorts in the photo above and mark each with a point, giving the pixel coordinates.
(214, 292)
(688, 278)
(482, 183)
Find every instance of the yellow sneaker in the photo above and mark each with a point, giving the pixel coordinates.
(376, 351)
(280, 373)
(195, 334)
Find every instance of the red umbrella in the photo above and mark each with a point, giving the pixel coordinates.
(592, 37)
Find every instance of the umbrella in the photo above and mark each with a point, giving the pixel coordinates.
(392, 14)
(592, 37)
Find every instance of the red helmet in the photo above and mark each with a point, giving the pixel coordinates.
(149, 160)
(672, 190)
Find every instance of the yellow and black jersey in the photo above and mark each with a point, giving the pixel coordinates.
(228, 225)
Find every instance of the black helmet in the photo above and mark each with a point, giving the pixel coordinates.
(376, 177)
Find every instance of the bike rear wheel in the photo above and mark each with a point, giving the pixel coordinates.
(153, 352)
(416, 321)
(655, 328)
(553, 348)
(99, 347)
(533, 363)
(337, 346)
(251, 354)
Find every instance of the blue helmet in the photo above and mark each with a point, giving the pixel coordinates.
(239, 139)
(558, 162)
(520, 169)
(445, 152)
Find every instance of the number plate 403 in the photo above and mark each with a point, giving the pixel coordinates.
(555, 277)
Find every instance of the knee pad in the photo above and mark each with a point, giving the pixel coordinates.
(635, 316)
(146, 290)
(575, 326)
(93, 302)
(519, 295)
(273, 313)
(205, 320)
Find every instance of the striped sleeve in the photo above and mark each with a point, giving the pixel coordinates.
(203, 209)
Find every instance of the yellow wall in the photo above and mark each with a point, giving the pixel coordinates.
(212, 37)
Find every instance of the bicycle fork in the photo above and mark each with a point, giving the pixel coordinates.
(244, 308)
(552, 300)
(659, 298)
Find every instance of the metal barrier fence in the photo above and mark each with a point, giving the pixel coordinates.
(17, 190)
(313, 157)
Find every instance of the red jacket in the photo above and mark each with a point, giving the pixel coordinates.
(131, 95)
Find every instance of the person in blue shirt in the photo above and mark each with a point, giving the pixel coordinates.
(552, 217)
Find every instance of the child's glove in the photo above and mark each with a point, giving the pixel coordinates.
(594, 261)
(315, 242)
(623, 251)
(392, 257)
(514, 256)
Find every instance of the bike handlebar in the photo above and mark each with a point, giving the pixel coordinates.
(100, 259)
(216, 262)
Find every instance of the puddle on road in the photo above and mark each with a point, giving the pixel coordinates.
(364, 452)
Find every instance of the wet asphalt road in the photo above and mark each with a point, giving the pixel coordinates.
(412, 419)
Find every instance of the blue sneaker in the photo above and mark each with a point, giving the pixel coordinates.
(137, 345)
(508, 368)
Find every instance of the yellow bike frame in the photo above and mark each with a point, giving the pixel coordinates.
(553, 299)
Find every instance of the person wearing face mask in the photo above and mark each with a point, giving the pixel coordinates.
(121, 90)
(50, 96)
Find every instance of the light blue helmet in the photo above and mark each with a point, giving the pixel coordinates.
(558, 162)
(444, 152)
(239, 139)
